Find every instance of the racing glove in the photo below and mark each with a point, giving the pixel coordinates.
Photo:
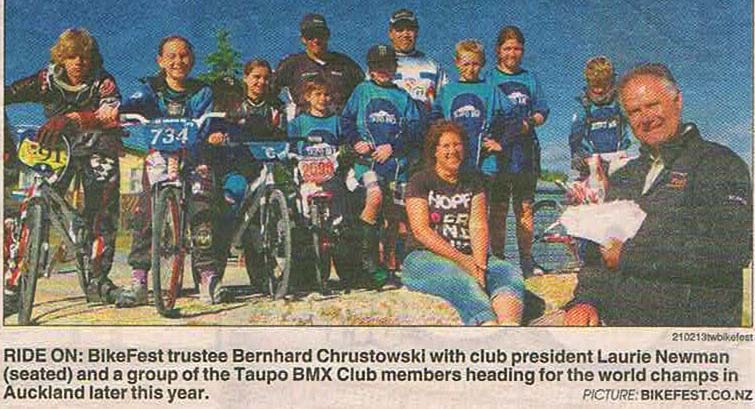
(49, 134)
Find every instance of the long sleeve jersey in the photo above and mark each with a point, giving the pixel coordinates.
(597, 128)
(521, 153)
(155, 100)
(49, 88)
(384, 115)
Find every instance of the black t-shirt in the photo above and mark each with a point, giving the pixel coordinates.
(449, 206)
(340, 72)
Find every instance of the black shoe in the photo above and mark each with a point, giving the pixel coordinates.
(10, 302)
(102, 290)
(372, 275)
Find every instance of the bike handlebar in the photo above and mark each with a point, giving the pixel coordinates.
(134, 117)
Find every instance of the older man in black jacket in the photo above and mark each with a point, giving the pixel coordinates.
(684, 266)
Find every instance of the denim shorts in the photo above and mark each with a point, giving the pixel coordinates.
(427, 272)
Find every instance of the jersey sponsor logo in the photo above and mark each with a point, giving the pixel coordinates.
(517, 92)
(467, 111)
(597, 125)
(737, 199)
(678, 180)
(417, 89)
(382, 117)
(325, 135)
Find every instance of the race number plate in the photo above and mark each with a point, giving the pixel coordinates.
(317, 170)
(33, 155)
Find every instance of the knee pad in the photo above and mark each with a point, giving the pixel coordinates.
(202, 237)
(103, 168)
(201, 183)
(234, 187)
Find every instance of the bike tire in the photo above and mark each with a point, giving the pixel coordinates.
(168, 251)
(35, 231)
(252, 271)
(276, 243)
(553, 250)
(83, 266)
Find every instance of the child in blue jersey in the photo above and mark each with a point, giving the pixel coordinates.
(598, 126)
(383, 124)
(520, 167)
(173, 94)
(320, 122)
(479, 107)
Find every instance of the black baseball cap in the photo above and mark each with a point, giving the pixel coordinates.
(381, 55)
(314, 25)
(403, 18)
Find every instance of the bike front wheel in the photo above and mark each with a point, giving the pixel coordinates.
(276, 236)
(553, 250)
(168, 251)
(33, 242)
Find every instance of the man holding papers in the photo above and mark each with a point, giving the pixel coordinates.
(684, 265)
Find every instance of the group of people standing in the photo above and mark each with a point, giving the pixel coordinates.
(468, 149)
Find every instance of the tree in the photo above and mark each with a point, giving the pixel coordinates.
(225, 62)
(224, 74)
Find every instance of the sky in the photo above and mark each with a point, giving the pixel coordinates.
(707, 44)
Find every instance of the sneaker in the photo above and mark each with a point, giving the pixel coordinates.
(222, 295)
(394, 281)
(207, 287)
(102, 290)
(132, 297)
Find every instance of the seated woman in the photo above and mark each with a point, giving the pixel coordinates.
(448, 251)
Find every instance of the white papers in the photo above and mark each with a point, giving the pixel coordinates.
(600, 222)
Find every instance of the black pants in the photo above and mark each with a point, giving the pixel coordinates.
(201, 212)
(100, 178)
(624, 300)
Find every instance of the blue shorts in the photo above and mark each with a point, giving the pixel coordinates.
(427, 272)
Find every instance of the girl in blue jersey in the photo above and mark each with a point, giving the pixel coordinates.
(253, 114)
(476, 105)
(520, 167)
(382, 123)
(173, 94)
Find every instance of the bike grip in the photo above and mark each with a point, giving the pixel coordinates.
(132, 117)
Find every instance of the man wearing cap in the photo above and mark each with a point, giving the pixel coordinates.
(340, 72)
(382, 123)
(420, 75)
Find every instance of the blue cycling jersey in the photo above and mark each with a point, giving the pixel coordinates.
(521, 154)
(384, 115)
(598, 128)
(482, 110)
(156, 100)
(328, 128)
